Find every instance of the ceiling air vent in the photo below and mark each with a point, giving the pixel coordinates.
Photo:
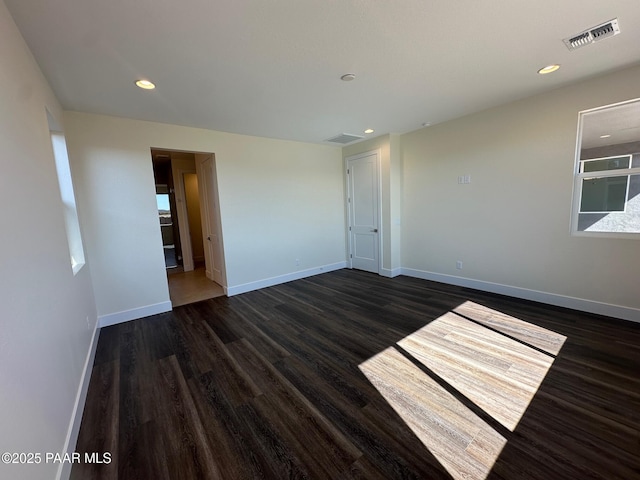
(595, 34)
(344, 138)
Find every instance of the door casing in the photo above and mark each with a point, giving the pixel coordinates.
(349, 163)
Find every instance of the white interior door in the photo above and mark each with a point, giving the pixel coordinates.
(184, 217)
(363, 203)
(210, 212)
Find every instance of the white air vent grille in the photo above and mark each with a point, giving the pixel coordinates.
(595, 34)
(344, 138)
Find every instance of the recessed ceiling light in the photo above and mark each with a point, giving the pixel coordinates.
(548, 69)
(426, 124)
(146, 84)
(369, 130)
(605, 136)
(347, 77)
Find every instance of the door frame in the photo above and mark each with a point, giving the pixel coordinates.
(378, 156)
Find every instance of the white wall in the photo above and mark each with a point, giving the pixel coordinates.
(44, 336)
(511, 225)
(280, 201)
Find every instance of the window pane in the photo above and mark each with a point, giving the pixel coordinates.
(164, 210)
(604, 164)
(627, 221)
(162, 200)
(604, 194)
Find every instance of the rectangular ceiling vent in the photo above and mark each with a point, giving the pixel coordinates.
(595, 34)
(344, 138)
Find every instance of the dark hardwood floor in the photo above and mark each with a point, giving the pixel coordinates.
(349, 375)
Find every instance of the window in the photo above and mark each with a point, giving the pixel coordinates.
(607, 177)
(72, 225)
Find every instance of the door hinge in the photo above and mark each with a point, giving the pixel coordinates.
(349, 228)
(350, 256)
(348, 200)
(347, 171)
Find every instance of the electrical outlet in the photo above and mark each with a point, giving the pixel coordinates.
(88, 324)
(297, 262)
(459, 265)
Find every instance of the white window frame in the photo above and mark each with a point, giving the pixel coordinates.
(579, 176)
(619, 172)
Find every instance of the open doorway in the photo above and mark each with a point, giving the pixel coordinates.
(189, 217)
(167, 215)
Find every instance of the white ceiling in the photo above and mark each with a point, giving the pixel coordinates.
(272, 67)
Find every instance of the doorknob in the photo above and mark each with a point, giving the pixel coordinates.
(375, 230)
(209, 238)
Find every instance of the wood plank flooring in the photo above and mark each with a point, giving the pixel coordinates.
(191, 287)
(349, 375)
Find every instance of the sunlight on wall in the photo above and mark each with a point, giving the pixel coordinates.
(67, 195)
(495, 372)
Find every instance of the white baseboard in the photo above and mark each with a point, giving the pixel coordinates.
(64, 470)
(390, 273)
(133, 314)
(616, 311)
(270, 282)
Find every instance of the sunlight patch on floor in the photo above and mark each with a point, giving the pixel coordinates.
(461, 441)
(542, 338)
(495, 372)
(499, 374)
